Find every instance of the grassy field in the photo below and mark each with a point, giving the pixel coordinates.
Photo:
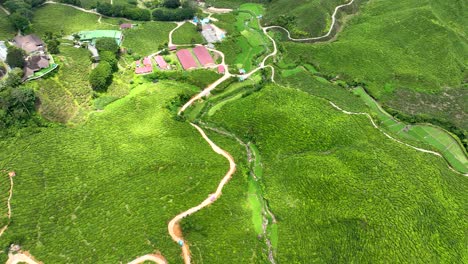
(341, 191)
(146, 38)
(114, 183)
(67, 20)
(408, 73)
(7, 31)
(65, 96)
(187, 34)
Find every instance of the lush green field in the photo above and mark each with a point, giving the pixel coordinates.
(114, 183)
(437, 138)
(380, 47)
(245, 46)
(341, 191)
(65, 95)
(187, 34)
(310, 17)
(67, 20)
(7, 31)
(146, 38)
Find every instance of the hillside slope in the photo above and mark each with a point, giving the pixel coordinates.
(411, 54)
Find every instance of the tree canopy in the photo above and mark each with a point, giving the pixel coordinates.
(15, 57)
(107, 44)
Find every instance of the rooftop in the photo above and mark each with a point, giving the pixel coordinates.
(29, 43)
(186, 59)
(203, 55)
(95, 34)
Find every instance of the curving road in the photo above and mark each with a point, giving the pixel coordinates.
(173, 227)
(321, 37)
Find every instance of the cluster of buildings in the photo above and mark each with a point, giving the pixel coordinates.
(210, 32)
(146, 65)
(200, 57)
(36, 56)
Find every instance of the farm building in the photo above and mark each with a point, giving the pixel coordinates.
(35, 63)
(203, 56)
(29, 43)
(91, 36)
(162, 64)
(3, 51)
(186, 59)
(144, 67)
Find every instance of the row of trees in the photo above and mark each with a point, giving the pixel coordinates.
(126, 11)
(168, 10)
(101, 76)
(21, 11)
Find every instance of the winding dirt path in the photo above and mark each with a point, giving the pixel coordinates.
(392, 138)
(321, 37)
(212, 86)
(22, 257)
(11, 174)
(179, 24)
(173, 227)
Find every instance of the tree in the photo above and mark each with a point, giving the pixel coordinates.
(101, 76)
(19, 22)
(108, 44)
(14, 78)
(109, 57)
(53, 46)
(171, 3)
(15, 57)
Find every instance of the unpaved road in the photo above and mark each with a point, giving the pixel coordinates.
(24, 257)
(211, 87)
(321, 37)
(173, 227)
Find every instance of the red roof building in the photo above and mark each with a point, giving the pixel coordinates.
(146, 67)
(147, 61)
(186, 59)
(203, 56)
(161, 62)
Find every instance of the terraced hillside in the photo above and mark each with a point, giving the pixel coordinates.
(395, 49)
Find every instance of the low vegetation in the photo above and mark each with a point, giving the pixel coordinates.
(349, 182)
(158, 168)
(147, 37)
(187, 34)
(379, 49)
(244, 46)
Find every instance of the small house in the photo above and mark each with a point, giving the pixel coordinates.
(29, 43)
(35, 63)
(162, 64)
